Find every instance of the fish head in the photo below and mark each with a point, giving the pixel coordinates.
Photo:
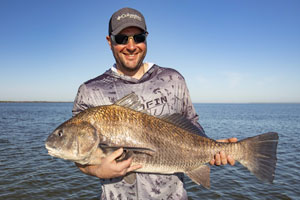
(73, 141)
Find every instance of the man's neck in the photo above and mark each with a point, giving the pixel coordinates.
(135, 74)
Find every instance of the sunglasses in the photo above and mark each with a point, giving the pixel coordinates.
(123, 39)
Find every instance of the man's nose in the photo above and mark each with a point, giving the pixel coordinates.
(131, 45)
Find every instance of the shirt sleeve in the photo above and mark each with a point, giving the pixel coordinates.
(81, 101)
(190, 111)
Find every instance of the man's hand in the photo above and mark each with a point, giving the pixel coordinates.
(221, 158)
(109, 167)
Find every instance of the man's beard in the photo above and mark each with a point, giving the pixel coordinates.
(121, 65)
(130, 69)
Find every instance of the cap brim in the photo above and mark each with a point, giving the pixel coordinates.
(126, 25)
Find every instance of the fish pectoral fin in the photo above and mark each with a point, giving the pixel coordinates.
(130, 178)
(201, 175)
(128, 151)
(139, 150)
(107, 150)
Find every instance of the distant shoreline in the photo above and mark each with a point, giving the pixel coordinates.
(36, 101)
(193, 103)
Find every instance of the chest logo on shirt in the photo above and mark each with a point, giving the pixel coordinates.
(157, 106)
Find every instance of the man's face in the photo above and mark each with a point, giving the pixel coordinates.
(129, 57)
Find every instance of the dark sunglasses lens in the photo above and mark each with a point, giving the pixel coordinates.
(139, 38)
(121, 39)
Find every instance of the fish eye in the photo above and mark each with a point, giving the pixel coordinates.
(60, 133)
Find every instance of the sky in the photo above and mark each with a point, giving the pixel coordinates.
(229, 51)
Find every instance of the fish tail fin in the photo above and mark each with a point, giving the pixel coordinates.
(260, 158)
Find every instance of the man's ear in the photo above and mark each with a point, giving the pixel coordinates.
(109, 41)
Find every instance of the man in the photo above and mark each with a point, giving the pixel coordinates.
(161, 91)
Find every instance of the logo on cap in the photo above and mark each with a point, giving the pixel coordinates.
(132, 16)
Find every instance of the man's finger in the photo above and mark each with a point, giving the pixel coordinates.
(218, 159)
(230, 160)
(233, 139)
(228, 140)
(115, 154)
(134, 167)
(222, 140)
(124, 164)
(223, 158)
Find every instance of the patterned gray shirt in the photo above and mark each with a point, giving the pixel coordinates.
(161, 91)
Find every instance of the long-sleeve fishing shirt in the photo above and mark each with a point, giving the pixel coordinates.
(162, 91)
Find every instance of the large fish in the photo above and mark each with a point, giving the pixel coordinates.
(164, 145)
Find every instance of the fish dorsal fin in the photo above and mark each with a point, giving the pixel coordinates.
(182, 122)
(130, 101)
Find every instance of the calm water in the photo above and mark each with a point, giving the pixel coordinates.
(27, 172)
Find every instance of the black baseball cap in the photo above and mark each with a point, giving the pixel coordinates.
(124, 18)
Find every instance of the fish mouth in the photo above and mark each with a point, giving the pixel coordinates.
(51, 151)
(58, 154)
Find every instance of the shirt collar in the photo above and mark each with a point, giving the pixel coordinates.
(149, 66)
